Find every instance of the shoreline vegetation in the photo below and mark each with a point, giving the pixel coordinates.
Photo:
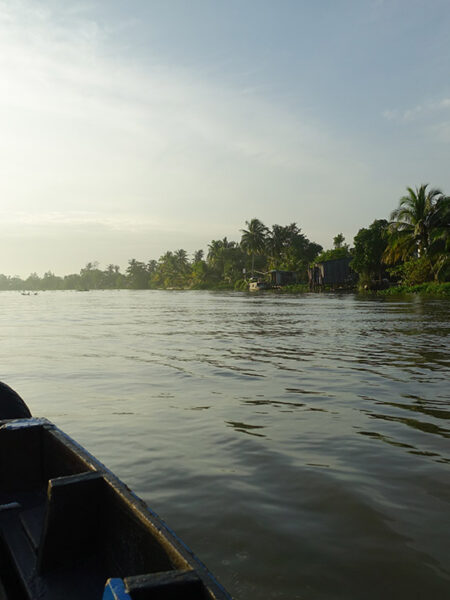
(432, 289)
(429, 289)
(409, 254)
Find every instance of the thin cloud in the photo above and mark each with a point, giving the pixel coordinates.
(418, 111)
(83, 124)
(444, 103)
(124, 222)
(102, 130)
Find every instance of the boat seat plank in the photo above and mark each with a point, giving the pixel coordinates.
(71, 522)
(20, 550)
(33, 522)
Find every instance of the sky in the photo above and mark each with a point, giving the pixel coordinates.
(131, 128)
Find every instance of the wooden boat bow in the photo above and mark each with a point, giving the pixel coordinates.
(70, 529)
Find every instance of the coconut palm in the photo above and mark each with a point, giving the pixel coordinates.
(414, 222)
(224, 259)
(253, 240)
(137, 274)
(439, 250)
(181, 258)
(216, 248)
(198, 256)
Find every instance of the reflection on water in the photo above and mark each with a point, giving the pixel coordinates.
(420, 425)
(298, 444)
(246, 428)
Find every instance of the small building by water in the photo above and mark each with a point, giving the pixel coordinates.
(282, 277)
(332, 272)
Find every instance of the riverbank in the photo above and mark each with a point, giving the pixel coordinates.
(429, 289)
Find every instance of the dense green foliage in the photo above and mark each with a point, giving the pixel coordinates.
(420, 228)
(438, 289)
(413, 271)
(290, 250)
(411, 250)
(369, 247)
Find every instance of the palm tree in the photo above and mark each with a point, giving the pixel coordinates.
(439, 250)
(338, 241)
(414, 222)
(216, 248)
(181, 257)
(253, 240)
(137, 274)
(198, 256)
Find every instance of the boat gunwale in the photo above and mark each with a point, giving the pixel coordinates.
(178, 553)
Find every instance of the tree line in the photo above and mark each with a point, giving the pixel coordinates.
(412, 247)
(227, 264)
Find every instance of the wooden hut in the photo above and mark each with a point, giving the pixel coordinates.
(278, 278)
(331, 272)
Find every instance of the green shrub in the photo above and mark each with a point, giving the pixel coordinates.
(241, 285)
(432, 288)
(414, 271)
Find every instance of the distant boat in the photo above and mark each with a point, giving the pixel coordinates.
(71, 530)
(256, 286)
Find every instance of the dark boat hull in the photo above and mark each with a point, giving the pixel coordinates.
(70, 529)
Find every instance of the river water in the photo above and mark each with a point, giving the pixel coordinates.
(298, 444)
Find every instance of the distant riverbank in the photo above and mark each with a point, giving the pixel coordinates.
(429, 289)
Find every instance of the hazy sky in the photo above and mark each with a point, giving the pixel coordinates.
(128, 128)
